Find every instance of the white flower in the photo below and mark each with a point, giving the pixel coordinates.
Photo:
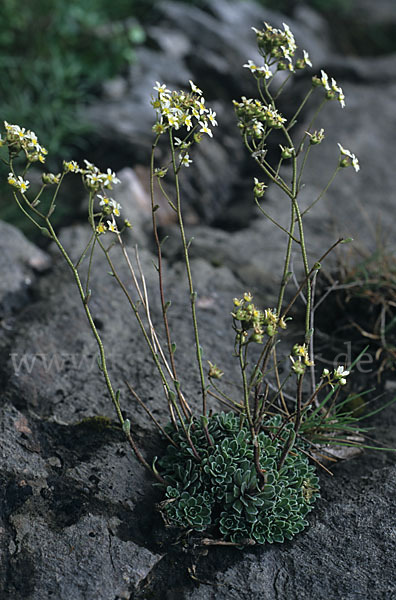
(71, 166)
(306, 58)
(177, 141)
(166, 109)
(205, 128)
(173, 121)
(344, 151)
(258, 128)
(104, 200)
(194, 88)
(188, 122)
(355, 163)
(340, 372)
(349, 154)
(111, 225)
(185, 160)
(286, 53)
(23, 184)
(211, 116)
(116, 207)
(200, 104)
(290, 38)
(266, 70)
(94, 179)
(109, 178)
(161, 88)
(325, 80)
(341, 97)
(12, 180)
(90, 166)
(251, 66)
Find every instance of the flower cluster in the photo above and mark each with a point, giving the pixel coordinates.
(96, 180)
(277, 46)
(109, 208)
(338, 376)
(260, 322)
(255, 117)
(347, 158)
(332, 90)
(19, 139)
(300, 358)
(92, 176)
(182, 110)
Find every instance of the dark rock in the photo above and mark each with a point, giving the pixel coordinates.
(78, 510)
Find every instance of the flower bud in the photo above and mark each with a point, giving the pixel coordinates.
(316, 137)
(271, 330)
(286, 152)
(214, 371)
(298, 367)
(259, 188)
(50, 178)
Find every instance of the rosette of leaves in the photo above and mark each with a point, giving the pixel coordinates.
(224, 494)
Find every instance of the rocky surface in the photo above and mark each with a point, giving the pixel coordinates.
(77, 518)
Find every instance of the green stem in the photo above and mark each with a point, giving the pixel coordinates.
(242, 365)
(82, 255)
(287, 261)
(193, 294)
(322, 193)
(306, 270)
(294, 117)
(275, 222)
(50, 210)
(302, 168)
(182, 401)
(25, 212)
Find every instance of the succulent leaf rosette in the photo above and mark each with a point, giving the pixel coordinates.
(223, 494)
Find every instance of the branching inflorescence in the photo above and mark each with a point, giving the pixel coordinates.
(242, 476)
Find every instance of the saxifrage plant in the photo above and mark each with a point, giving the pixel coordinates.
(243, 476)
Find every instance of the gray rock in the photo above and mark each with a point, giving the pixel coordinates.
(384, 12)
(20, 262)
